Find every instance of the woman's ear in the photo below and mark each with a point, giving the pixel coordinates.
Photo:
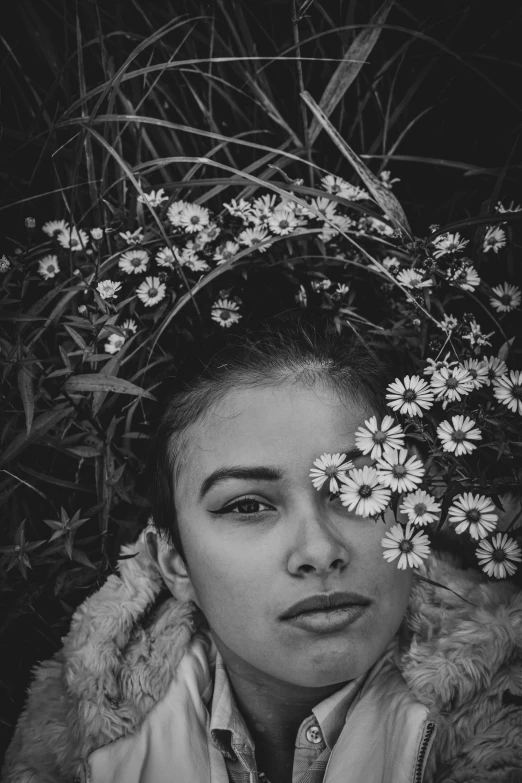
(172, 568)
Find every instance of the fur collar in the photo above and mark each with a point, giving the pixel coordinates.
(460, 658)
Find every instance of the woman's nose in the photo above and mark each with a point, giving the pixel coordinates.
(317, 544)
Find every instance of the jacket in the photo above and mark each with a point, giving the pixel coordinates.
(126, 698)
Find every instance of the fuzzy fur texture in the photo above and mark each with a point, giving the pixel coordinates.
(462, 660)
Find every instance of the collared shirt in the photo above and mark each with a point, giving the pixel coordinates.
(315, 739)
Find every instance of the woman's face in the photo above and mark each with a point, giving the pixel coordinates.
(255, 546)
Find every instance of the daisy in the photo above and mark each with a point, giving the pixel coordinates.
(421, 508)
(390, 262)
(97, 233)
(341, 222)
(48, 267)
(450, 385)
(495, 369)
(186, 254)
(336, 186)
(208, 234)
(363, 493)
(396, 471)
(197, 264)
(151, 291)
(251, 237)
(329, 466)
(434, 365)
(386, 179)
(241, 208)
(410, 395)
(165, 257)
(475, 512)
(226, 252)
(448, 243)
(283, 221)
(508, 391)
(321, 285)
(498, 557)
(53, 227)
(341, 290)
(73, 238)
(477, 370)
(5, 264)
(134, 261)
(155, 198)
(323, 205)
(380, 227)
(413, 549)
(262, 208)
(448, 324)
(108, 289)
(511, 208)
(114, 343)
(410, 278)
(458, 435)
(193, 217)
(174, 212)
(475, 335)
(374, 439)
(466, 278)
(495, 239)
(130, 326)
(132, 237)
(224, 311)
(507, 298)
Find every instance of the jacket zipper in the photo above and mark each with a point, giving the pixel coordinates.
(430, 728)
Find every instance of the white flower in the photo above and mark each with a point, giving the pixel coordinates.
(339, 187)
(155, 198)
(262, 208)
(409, 396)
(186, 254)
(341, 222)
(448, 243)
(379, 226)
(73, 238)
(387, 181)
(410, 278)
(114, 343)
(420, 507)
(508, 390)
(30, 222)
(53, 227)
(251, 237)
(413, 549)
(324, 206)
(174, 212)
(475, 512)
(208, 234)
(48, 267)
(165, 257)
(241, 208)
(301, 297)
(151, 291)
(108, 289)
(97, 233)
(475, 335)
(134, 261)
(507, 298)
(193, 217)
(283, 221)
(451, 384)
(511, 208)
(396, 471)
(82, 309)
(477, 370)
(341, 290)
(390, 262)
(130, 326)
(495, 368)
(498, 557)
(329, 466)
(224, 311)
(132, 237)
(449, 324)
(374, 439)
(433, 365)
(465, 277)
(197, 264)
(5, 264)
(226, 252)
(457, 435)
(362, 492)
(321, 285)
(495, 239)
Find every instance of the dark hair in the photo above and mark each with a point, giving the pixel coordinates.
(291, 348)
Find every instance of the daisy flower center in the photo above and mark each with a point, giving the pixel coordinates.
(452, 383)
(153, 292)
(365, 491)
(516, 391)
(194, 219)
(283, 224)
(419, 509)
(406, 546)
(379, 436)
(136, 261)
(473, 372)
(498, 555)
(506, 299)
(458, 436)
(409, 395)
(473, 515)
(399, 470)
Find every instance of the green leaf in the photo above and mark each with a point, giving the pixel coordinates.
(25, 386)
(384, 197)
(349, 68)
(41, 425)
(95, 382)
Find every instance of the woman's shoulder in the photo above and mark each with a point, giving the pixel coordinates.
(462, 658)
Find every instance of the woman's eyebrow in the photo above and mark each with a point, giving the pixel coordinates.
(254, 473)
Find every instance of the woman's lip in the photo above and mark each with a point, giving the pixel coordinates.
(328, 620)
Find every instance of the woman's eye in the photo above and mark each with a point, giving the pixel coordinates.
(245, 506)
